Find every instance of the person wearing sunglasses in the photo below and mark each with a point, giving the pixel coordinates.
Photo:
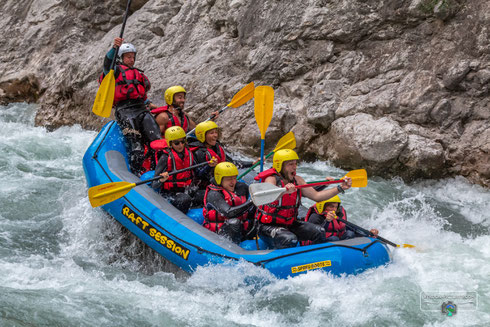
(177, 156)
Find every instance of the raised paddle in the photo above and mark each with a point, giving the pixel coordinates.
(288, 141)
(105, 193)
(264, 106)
(240, 98)
(365, 231)
(105, 95)
(263, 193)
(358, 176)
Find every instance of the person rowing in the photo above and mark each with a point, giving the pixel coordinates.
(279, 225)
(177, 188)
(208, 146)
(226, 208)
(326, 214)
(130, 100)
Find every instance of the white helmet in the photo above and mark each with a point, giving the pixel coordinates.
(126, 48)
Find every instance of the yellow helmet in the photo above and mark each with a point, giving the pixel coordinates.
(224, 169)
(202, 128)
(170, 92)
(174, 133)
(281, 156)
(321, 205)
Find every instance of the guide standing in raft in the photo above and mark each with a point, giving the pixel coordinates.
(130, 101)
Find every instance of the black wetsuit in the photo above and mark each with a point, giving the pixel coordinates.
(136, 122)
(233, 226)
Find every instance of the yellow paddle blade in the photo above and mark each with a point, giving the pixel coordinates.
(264, 106)
(105, 193)
(359, 177)
(105, 96)
(288, 141)
(242, 96)
(407, 246)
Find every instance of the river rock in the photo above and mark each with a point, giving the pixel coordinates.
(422, 157)
(412, 63)
(361, 140)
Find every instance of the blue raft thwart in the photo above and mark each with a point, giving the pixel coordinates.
(181, 239)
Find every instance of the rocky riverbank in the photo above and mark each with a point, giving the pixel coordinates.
(397, 87)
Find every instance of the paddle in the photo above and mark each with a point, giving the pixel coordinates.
(365, 231)
(263, 193)
(358, 176)
(240, 98)
(288, 141)
(264, 106)
(105, 95)
(105, 193)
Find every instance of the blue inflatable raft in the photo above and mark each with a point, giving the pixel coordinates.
(181, 239)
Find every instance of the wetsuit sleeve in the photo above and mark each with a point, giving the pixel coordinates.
(316, 219)
(199, 156)
(203, 171)
(215, 200)
(242, 189)
(161, 167)
(108, 60)
(243, 164)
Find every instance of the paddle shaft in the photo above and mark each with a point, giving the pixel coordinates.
(113, 63)
(366, 232)
(171, 173)
(286, 142)
(320, 183)
(262, 146)
(212, 117)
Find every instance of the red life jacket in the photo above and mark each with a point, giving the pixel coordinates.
(213, 220)
(211, 153)
(149, 163)
(130, 84)
(174, 162)
(283, 211)
(334, 227)
(173, 120)
(151, 157)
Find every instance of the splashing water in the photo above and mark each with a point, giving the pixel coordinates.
(63, 263)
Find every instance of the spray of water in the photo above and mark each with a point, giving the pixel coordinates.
(65, 263)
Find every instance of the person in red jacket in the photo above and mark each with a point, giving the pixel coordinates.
(130, 102)
(173, 113)
(207, 146)
(325, 214)
(170, 115)
(226, 208)
(278, 223)
(176, 188)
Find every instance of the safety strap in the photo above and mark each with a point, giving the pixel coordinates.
(174, 180)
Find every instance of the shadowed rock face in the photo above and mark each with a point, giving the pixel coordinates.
(398, 87)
